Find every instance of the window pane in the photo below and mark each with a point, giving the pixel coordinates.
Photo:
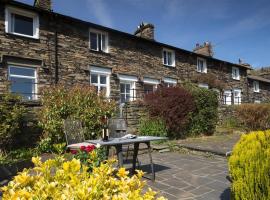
(148, 88)
(103, 42)
(122, 88)
(103, 79)
(93, 41)
(23, 86)
(128, 88)
(169, 58)
(22, 71)
(99, 42)
(23, 25)
(94, 78)
(103, 89)
(123, 98)
(165, 57)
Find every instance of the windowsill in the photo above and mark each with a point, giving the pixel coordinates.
(99, 52)
(256, 91)
(235, 79)
(171, 66)
(202, 72)
(22, 36)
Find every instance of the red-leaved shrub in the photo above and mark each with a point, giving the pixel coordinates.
(174, 105)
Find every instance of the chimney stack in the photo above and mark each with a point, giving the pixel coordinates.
(43, 4)
(146, 30)
(205, 49)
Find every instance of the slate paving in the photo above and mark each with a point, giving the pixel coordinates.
(191, 177)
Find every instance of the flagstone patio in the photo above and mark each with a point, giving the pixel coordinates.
(193, 177)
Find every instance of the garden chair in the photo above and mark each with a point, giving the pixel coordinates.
(74, 133)
(117, 129)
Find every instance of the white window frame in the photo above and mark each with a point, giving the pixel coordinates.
(170, 81)
(256, 86)
(236, 73)
(203, 85)
(204, 69)
(227, 95)
(34, 93)
(8, 21)
(151, 81)
(166, 51)
(101, 71)
(237, 99)
(106, 50)
(127, 79)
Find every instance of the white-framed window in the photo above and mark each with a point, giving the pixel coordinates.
(257, 101)
(235, 73)
(201, 65)
(150, 85)
(237, 96)
(100, 78)
(127, 88)
(168, 57)
(98, 40)
(227, 97)
(256, 86)
(203, 85)
(170, 82)
(21, 22)
(23, 81)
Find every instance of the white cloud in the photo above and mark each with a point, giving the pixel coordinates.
(100, 11)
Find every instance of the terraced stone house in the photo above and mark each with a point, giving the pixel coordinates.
(39, 47)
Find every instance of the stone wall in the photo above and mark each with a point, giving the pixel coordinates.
(127, 55)
(263, 95)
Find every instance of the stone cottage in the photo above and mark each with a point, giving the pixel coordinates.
(39, 47)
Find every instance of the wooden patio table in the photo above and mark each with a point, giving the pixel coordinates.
(119, 142)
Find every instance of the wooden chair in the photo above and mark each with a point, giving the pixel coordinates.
(74, 133)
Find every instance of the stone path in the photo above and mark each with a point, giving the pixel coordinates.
(181, 176)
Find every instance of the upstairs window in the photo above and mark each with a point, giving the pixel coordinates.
(235, 73)
(22, 23)
(168, 57)
(256, 86)
(98, 41)
(23, 81)
(201, 65)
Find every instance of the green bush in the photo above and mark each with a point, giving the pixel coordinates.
(152, 127)
(11, 119)
(205, 116)
(249, 167)
(254, 116)
(80, 102)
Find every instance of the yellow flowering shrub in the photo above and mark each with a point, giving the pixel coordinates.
(249, 167)
(61, 179)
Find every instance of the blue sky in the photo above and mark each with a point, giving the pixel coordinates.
(236, 28)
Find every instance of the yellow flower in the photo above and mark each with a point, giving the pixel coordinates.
(122, 173)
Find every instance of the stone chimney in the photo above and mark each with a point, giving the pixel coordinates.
(205, 49)
(43, 4)
(146, 30)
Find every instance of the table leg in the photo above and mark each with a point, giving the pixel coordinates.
(107, 152)
(135, 154)
(119, 153)
(151, 160)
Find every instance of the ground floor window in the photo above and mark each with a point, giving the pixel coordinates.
(150, 85)
(23, 81)
(170, 82)
(237, 96)
(227, 97)
(100, 78)
(125, 92)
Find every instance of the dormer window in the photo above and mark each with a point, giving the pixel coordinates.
(98, 40)
(22, 23)
(256, 86)
(235, 73)
(201, 65)
(168, 58)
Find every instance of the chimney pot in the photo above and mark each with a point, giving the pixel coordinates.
(43, 4)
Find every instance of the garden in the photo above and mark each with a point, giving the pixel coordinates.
(177, 113)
